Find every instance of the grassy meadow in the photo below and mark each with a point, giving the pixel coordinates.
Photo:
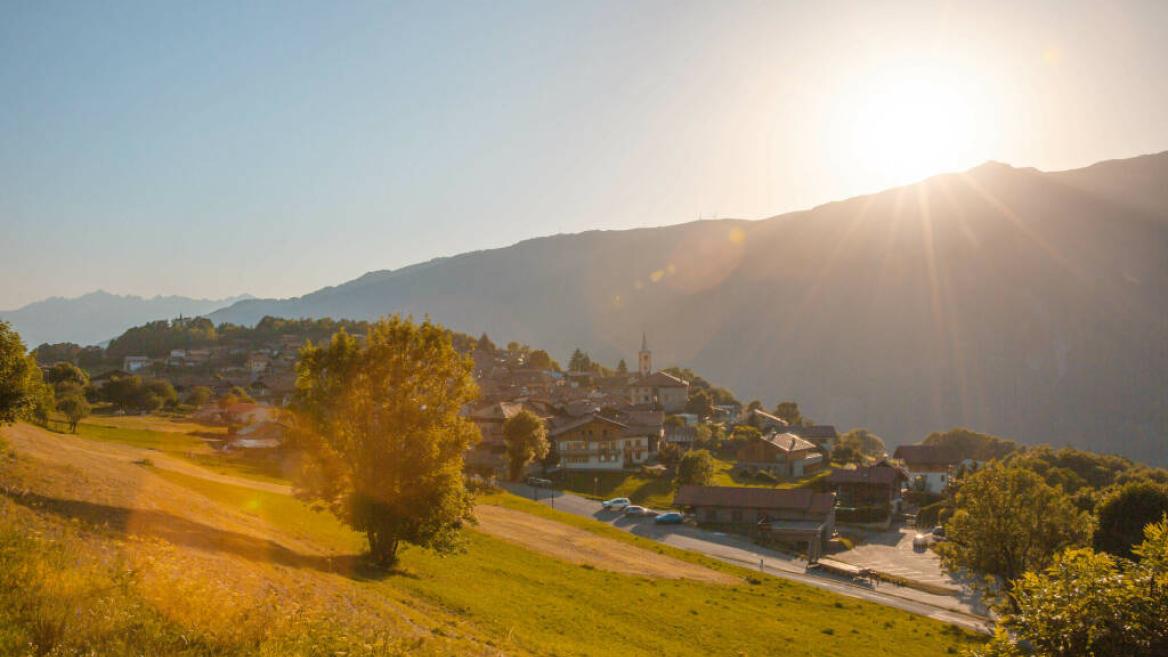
(190, 566)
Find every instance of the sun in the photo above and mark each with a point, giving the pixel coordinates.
(909, 122)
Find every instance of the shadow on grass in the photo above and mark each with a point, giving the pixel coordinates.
(188, 533)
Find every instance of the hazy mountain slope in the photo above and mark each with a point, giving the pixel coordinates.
(1018, 302)
(99, 316)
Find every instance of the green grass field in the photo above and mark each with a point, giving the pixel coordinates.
(497, 597)
(546, 606)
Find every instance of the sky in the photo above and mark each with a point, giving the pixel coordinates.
(209, 149)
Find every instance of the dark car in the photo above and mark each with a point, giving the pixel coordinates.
(669, 518)
(539, 482)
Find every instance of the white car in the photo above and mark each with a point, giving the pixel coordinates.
(616, 503)
(635, 510)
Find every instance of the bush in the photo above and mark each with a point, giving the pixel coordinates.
(765, 477)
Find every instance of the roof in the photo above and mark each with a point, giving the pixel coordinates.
(881, 473)
(797, 499)
(497, 411)
(758, 412)
(815, 431)
(927, 455)
(662, 380)
(788, 442)
(579, 422)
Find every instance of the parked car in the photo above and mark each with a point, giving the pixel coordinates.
(939, 533)
(616, 503)
(669, 518)
(539, 482)
(635, 510)
(921, 541)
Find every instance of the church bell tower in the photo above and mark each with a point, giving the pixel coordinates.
(644, 358)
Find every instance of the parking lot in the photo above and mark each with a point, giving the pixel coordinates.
(892, 552)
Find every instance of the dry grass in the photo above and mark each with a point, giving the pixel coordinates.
(578, 546)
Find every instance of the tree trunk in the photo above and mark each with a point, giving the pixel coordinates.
(382, 548)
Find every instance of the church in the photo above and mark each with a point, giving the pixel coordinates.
(651, 388)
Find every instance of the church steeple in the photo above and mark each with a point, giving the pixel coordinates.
(644, 358)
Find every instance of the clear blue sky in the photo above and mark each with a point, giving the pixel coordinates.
(213, 148)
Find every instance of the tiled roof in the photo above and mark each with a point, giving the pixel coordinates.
(575, 423)
(661, 380)
(881, 473)
(798, 499)
(789, 442)
(815, 431)
(927, 455)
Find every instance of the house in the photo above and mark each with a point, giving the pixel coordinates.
(682, 436)
(664, 390)
(134, 364)
(876, 485)
(248, 413)
(765, 422)
(929, 467)
(594, 442)
(798, 516)
(257, 363)
(823, 435)
(781, 455)
(656, 388)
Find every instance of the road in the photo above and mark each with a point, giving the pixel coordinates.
(741, 552)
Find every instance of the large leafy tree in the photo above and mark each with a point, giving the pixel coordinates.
(863, 441)
(696, 467)
(75, 408)
(1124, 513)
(382, 435)
(1088, 603)
(789, 411)
(1008, 521)
(526, 438)
(15, 398)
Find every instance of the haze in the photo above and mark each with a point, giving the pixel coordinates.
(214, 148)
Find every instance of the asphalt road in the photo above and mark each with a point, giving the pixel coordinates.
(741, 552)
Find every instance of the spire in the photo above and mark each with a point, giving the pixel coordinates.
(644, 342)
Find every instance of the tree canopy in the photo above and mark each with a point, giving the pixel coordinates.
(1089, 603)
(1124, 513)
(526, 438)
(695, 467)
(1008, 521)
(972, 444)
(382, 434)
(863, 442)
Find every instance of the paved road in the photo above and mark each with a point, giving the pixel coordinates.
(740, 551)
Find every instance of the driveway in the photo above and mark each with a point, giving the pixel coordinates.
(892, 552)
(741, 551)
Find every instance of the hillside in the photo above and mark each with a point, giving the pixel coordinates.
(1018, 302)
(98, 316)
(119, 551)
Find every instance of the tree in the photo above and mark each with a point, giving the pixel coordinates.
(14, 366)
(696, 467)
(971, 444)
(383, 439)
(789, 411)
(63, 372)
(199, 396)
(1124, 513)
(754, 405)
(863, 441)
(700, 404)
(163, 391)
(539, 359)
(847, 454)
(75, 408)
(526, 438)
(622, 368)
(485, 344)
(1089, 603)
(1008, 521)
(580, 362)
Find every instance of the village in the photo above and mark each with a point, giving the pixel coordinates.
(621, 432)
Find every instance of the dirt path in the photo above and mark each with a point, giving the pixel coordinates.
(579, 546)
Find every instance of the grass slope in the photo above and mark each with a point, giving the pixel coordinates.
(99, 584)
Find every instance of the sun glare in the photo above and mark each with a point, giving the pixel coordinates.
(905, 124)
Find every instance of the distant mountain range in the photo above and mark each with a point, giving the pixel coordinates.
(100, 316)
(1023, 303)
